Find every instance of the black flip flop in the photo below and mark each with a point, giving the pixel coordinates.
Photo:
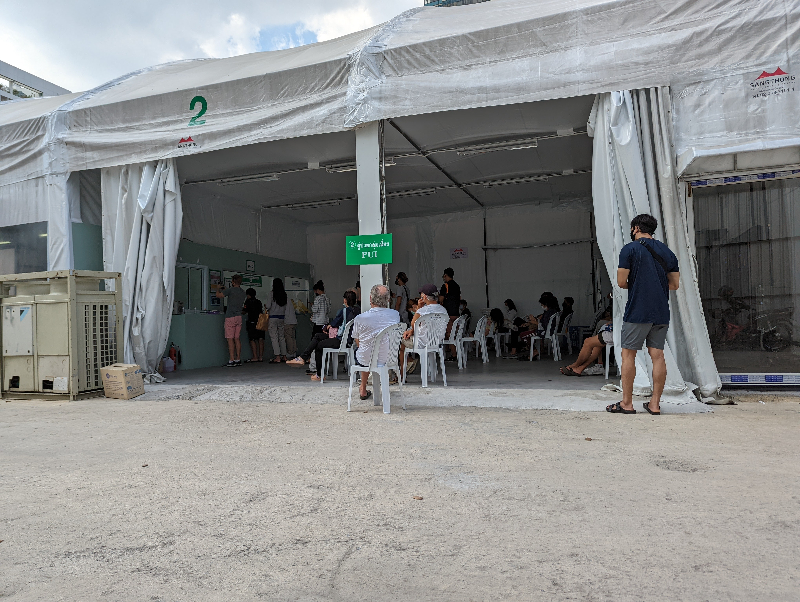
(647, 407)
(567, 371)
(367, 396)
(616, 408)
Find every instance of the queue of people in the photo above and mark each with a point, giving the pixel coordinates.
(244, 304)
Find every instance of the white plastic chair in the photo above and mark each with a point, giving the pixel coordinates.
(500, 339)
(456, 335)
(564, 332)
(609, 346)
(388, 336)
(549, 335)
(343, 349)
(479, 338)
(429, 333)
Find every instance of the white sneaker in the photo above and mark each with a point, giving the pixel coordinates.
(596, 370)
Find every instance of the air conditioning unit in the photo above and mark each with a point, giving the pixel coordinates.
(58, 330)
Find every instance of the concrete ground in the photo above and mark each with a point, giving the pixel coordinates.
(192, 499)
(498, 373)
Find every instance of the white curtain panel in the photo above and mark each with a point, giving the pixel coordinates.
(142, 215)
(633, 172)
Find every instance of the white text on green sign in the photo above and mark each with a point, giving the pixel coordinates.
(369, 249)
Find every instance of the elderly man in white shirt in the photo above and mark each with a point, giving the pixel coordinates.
(366, 328)
(428, 304)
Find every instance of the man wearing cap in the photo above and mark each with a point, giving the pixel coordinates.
(428, 304)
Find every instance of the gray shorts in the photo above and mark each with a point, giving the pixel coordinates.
(635, 335)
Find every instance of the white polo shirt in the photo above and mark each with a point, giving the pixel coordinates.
(367, 326)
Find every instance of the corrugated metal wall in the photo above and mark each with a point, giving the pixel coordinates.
(748, 254)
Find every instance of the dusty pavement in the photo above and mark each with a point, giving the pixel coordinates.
(187, 500)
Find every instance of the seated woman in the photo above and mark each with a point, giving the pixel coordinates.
(537, 324)
(567, 310)
(323, 340)
(591, 350)
(512, 325)
(497, 321)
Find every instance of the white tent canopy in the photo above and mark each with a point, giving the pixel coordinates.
(426, 60)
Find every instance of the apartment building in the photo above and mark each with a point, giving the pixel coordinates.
(16, 83)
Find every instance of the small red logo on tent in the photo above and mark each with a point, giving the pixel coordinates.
(777, 71)
(188, 143)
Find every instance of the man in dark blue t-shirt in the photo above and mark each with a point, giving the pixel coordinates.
(649, 270)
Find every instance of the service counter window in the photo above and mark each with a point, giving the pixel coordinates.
(23, 248)
(191, 286)
(748, 253)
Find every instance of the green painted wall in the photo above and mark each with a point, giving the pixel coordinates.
(200, 336)
(217, 258)
(87, 246)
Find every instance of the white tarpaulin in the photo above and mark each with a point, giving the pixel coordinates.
(425, 60)
(142, 217)
(634, 172)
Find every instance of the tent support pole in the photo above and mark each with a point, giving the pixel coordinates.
(594, 271)
(461, 187)
(382, 167)
(368, 181)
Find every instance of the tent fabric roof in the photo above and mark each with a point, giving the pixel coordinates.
(425, 60)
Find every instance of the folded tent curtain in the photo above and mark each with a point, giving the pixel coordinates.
(633, 172)
(142, 216)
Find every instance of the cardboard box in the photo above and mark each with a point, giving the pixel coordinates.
(123, 381)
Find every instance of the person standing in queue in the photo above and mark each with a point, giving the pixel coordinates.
(290, 330)
(253, 308)
(320, 309)
(648, 269)
(401, 295)
(277, 313)
(450, 299)
(233, 319)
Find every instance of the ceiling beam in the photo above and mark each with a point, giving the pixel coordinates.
(435, 164)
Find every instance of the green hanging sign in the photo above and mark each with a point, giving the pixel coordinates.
(369, 249)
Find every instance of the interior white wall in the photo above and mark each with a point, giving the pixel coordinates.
(524, 274)
(326, 254)
(422, 250)
(461, 230)
(229, 226)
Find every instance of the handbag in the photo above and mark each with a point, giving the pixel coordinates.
(332, 332)
(263, 321)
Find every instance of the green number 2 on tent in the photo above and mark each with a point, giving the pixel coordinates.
(203, 108)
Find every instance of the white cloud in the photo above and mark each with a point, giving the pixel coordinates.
(337, 23)
(83, 43)
(237, 36)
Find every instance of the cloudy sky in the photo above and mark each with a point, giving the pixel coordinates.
(79, 44)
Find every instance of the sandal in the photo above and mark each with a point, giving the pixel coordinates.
(315, 377)
(275, 360)
(647, 407)
(298, 361)
(367, 396)
(616, 408)
(567, 371)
